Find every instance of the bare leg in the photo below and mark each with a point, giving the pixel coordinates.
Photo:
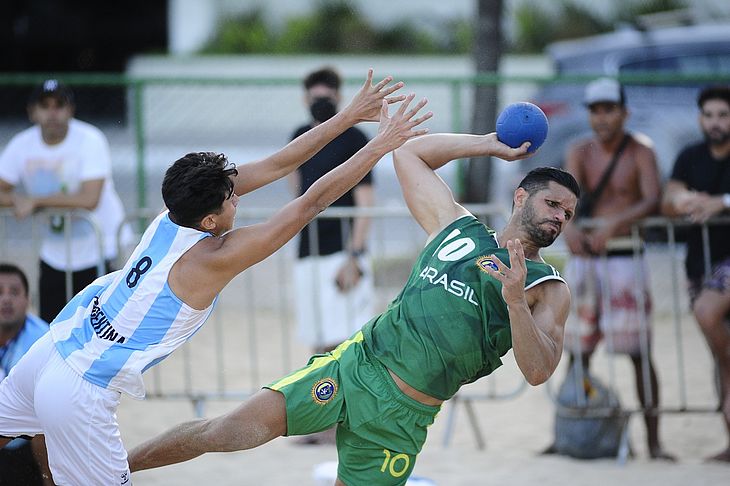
(710, 309)
(651, 414)
(40, 453)
(258, 420)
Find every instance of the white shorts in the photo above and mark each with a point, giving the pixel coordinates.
(43, 395)
(325, 315)
(625, 324)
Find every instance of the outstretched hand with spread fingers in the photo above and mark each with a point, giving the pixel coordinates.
(396, 130)
(365, 106)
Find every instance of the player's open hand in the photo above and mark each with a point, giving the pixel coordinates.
(365, 106)
(396, 130)
(512, 277)
(505, 152)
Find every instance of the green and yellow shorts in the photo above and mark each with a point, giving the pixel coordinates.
(380, 430)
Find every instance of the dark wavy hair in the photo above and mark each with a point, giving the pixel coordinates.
(326, 76)
(196, 185)
(538, 179)
(9, 268)
(717, 92)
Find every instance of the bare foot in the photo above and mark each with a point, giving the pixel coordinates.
(659, 454)
(724, 456)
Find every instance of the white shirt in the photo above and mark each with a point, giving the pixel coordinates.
(44, 169)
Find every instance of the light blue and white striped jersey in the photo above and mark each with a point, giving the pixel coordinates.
(129, 320)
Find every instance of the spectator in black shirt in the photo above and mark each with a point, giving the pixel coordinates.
(332, 276)
(699, 189)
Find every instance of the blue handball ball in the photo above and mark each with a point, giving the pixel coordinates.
(522, 122)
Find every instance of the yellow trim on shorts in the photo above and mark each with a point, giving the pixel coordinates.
(317, 363)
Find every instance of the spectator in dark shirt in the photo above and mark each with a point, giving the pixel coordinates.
(19, 329)
(699, 189)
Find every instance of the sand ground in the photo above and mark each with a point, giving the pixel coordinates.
(515, 429)
(251, 341)
(515, 433)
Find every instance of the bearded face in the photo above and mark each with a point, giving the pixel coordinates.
(715, 122)
(541, 230)
(717, 136)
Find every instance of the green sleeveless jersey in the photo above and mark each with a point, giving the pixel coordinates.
(449, 325)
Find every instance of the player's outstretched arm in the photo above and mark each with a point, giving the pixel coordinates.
(365, 106)
(247, 246)
(428, 197)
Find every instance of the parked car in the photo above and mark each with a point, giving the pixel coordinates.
(665, 111)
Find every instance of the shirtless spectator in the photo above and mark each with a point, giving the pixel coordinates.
(631, 191)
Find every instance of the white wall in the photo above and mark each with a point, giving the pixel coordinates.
(191, 23)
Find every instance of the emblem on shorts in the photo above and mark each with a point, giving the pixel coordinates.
(487, 261)
(125, 478)
(324, 390)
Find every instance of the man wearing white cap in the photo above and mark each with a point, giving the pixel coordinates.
(618, 173)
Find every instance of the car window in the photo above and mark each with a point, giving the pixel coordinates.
(690, 64)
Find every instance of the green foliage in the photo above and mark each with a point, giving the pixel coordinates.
(537, 27)
(462, 38)
(578, 21)
(629, 10)
(405, 37)
(336, 26)
(534, 29)
(247, 33)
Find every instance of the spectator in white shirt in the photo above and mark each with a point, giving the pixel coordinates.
(61, 162)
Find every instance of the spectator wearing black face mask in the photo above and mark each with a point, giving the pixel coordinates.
(333, 280)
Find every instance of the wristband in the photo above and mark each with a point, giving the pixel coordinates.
(726, 200)
(357, 253)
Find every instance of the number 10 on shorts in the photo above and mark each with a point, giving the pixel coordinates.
(396, 465)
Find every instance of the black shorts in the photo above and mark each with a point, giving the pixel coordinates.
(52, 287)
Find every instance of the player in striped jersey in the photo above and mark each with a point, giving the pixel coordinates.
(67, 387)
(472, 295)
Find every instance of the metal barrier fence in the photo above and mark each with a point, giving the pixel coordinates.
(249, 340)
(256, 310)
(673, 274)
(151, 121)
(14, 232)
(244, 117)
(667, 269)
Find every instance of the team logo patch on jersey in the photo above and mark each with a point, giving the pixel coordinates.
(324, 390)
(487, 262)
